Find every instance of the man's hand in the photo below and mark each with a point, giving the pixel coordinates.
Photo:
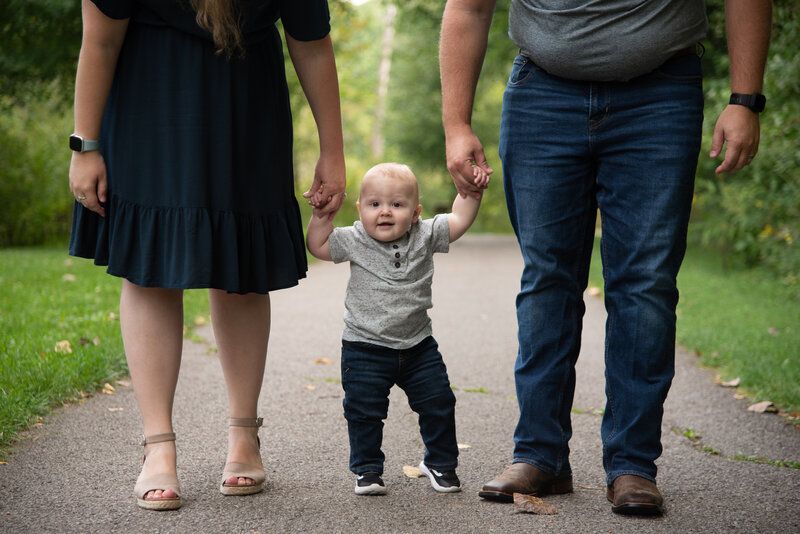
(738, 130)
(463, 149)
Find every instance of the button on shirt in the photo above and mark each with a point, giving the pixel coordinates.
(389, 291)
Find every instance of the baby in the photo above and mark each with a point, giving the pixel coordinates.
(387, 335)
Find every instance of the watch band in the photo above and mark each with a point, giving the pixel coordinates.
(755, 102)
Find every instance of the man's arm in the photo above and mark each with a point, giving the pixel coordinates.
(748, 24)
(320, 228)
(465, 34)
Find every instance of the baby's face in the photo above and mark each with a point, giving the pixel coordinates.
(388, 206)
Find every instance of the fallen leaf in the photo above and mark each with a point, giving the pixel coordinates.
(463, 446)
(68, 277)
(411, 471)
(310, 386)
(108, 389)
(116, 409)
(123, 383)
(68, 262)
(199, 320)
(772, 331)
(731, 383)
(84, 341)
(761, 407)
(532, 505)
(594, 291)
(739, 396)
(64, 347)
(324, 361)
(96, 341)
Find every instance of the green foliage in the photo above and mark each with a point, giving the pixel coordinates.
(753, 216)
(39, 41)
(49, 298)
(34, 183)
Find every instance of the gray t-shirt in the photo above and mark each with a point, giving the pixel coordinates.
(389, 291)
(604, 40)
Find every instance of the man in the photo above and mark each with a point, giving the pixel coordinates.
(603, 109)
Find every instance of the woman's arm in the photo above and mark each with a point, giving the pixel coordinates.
(316, 69)
(102, 41)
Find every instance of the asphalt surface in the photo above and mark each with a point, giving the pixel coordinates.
(76, 472)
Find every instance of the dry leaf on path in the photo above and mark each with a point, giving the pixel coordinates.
(199, 320)
(324, 361)
(761, 407)
(731, 383)
(310, 386)
(462, 446)
(108, 389)
(532, 505)
(411, 471)
(116, 409)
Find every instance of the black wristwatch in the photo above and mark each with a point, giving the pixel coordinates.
(754, 102)
(79, 144)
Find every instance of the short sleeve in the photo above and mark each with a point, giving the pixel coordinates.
(441, 233)
(115, 9)
(306, 20)
(341, 242)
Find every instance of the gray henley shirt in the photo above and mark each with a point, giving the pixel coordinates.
(389, 291)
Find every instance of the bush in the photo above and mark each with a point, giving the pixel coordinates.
(753, 216)
(34, 183)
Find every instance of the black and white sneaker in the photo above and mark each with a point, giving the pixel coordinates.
(443, 482)
(370, 483)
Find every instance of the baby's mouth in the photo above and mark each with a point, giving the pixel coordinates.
(385, 225)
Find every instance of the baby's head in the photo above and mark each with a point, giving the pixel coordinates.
(388, 202)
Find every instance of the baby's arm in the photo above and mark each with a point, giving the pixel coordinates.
(466, 209)
(319, 230)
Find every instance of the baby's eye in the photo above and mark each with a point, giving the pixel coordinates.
(374, 204)
(396, 204)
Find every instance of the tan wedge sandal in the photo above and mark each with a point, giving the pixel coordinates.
(241, 470)
(162, 481)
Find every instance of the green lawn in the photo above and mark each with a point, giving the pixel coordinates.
(59, 333)
(740, 322)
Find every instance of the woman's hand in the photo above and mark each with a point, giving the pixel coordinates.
(327, 191)
(88, 180)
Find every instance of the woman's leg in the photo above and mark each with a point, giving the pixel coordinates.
(241, 328)
(151, 321)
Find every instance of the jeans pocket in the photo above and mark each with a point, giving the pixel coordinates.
(521, 71)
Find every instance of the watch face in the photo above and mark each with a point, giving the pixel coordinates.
(75, 143)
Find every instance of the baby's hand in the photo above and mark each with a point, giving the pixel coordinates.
(480, 177)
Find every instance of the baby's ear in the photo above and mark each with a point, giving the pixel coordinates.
(416, 213)
(358, 207)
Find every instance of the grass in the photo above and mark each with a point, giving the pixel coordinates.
(59, 333)
(741, 323)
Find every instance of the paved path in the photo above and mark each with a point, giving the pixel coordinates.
(76, 472)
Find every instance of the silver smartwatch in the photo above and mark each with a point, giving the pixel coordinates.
(79, 144)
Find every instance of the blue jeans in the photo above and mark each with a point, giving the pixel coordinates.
(629, 148)
(369, 372)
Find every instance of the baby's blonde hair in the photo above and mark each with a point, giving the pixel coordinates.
(398, 171)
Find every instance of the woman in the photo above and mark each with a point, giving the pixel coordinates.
(190, 184)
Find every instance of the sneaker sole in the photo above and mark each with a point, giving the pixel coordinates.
(374, 489)
(441, 489)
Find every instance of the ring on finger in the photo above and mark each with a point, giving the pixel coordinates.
(80, 198)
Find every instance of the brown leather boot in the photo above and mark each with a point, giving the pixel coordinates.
(524, 478)
(632, 495)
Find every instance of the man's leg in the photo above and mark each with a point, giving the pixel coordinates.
(647, 146)
(549, 183)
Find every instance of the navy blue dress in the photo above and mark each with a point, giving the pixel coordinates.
(198, 150)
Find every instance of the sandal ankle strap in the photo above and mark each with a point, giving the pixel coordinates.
(156, 438)
(255, 422)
